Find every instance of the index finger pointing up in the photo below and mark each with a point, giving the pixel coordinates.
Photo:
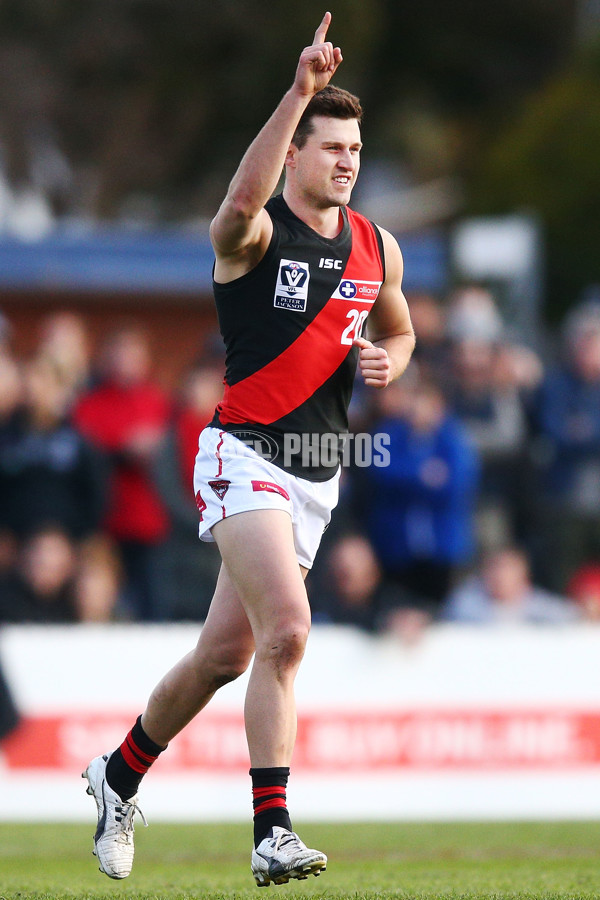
(321, 31)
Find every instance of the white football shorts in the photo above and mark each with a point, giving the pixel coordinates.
(231, 477)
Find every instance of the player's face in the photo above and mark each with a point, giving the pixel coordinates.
(328, 163)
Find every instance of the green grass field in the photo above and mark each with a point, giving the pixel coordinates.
(417, 861)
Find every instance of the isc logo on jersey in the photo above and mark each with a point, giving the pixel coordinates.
(291, 289)
(325, 263)
(362, 291)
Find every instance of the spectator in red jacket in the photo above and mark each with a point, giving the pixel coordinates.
(189, 567)
(125, 416)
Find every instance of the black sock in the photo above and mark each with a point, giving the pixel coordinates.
(269, 800)
(130, 762)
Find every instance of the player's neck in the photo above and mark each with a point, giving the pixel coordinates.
(327, 222)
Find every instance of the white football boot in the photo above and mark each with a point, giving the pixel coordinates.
(113, 841)
(283, 856)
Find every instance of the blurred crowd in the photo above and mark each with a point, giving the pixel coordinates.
(488, 512)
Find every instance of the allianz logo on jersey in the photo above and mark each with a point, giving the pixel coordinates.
(362, 291)
(291, 288)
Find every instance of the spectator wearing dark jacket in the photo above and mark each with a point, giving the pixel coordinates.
(48, 471)
(568, 413)
(41, 589)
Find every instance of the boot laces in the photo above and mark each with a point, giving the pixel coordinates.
(286, 837)
(124, 815)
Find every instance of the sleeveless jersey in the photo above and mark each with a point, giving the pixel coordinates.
(288, 327)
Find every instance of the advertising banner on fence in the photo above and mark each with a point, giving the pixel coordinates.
(469, 723)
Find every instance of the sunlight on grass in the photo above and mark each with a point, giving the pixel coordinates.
(525, 861)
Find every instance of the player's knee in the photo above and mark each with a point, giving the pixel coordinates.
(285, 645)
(228, 670)
(221, 663)
(228, 663)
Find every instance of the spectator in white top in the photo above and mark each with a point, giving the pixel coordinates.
(502, 593)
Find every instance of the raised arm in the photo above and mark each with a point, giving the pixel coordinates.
(386, 354)
(241, 230)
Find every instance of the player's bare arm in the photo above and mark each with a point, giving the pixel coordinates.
(241, 230)
(387, 352)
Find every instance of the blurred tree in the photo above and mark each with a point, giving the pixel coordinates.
(447, 70)
(155, 97)
(142, 108)
(546, 159)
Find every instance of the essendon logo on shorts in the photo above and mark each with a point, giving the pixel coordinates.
(270, 487)
(220, 486)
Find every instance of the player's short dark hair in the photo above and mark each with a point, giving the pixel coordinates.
(331, 101)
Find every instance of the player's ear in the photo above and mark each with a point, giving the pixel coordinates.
(291, 155)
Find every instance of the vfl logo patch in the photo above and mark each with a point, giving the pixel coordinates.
(270, 487)
(220, 487)
(291, 289)
(365, 291)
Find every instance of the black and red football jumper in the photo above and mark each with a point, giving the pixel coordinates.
(288, 327)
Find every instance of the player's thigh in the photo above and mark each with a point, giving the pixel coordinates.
(257, 548)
